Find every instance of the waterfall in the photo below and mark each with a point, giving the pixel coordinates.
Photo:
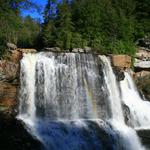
(113, 90)
(139, 109)
(71, 101)
(128, 135)
(27, 106)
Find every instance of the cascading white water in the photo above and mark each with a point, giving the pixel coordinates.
(27, 107)
(63, 97)
(139, 109)
(114, 95)
(128, 135)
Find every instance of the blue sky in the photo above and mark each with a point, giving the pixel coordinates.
(34, 13)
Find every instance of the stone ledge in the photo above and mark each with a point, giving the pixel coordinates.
(121, 61)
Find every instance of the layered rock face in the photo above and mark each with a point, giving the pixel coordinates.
(142, 61)
(142, 71)
(9, 79)
(13, 134)
(121, 61)
(9, 73)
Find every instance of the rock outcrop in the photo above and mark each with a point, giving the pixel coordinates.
(119, 74)
(144, 135)
(142, 61)
(143, 84)
(143, 65)
(141, 74)
(16, 56)
(14, 136)
(9, 74)
(143, 54)
(8, 70)
(25, 50)
(121, 61)
(8, 95)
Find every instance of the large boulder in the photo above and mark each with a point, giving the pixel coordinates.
(121, 61)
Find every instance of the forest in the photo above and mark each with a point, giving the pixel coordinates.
(107, 26)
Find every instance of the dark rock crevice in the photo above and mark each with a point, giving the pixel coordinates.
(13, 135)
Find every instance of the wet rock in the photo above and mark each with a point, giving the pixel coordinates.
(119, 74)
(121, 61)
(127, 115)
(14, 136)
(145, 137)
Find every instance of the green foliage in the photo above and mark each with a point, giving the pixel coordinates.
(47, 34)
(78, 41)
(64, 26)
(28, 33)
(107, 26)
(13, 27)
(123, 47)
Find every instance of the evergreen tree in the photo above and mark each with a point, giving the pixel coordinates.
(64, 25)
(28, 33)
(48, 30)
(11, 21)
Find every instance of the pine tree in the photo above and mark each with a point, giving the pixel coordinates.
(48, 30)
(64, 26)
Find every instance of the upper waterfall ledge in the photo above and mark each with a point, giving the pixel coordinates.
(10, 68)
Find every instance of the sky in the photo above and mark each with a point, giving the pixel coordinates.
(34, 13)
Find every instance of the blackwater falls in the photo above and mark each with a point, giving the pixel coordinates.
(72, 101)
